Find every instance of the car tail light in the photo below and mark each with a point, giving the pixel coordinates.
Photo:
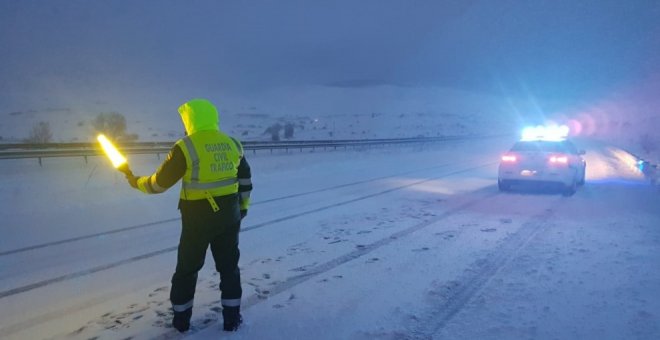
(559, 159)
(509, 158)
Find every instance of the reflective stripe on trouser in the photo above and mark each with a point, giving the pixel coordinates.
(183, 307)
(231, 302)
(201, 228)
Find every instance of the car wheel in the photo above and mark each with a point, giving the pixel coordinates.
(503, 185)
(570, 189)
(583, 177)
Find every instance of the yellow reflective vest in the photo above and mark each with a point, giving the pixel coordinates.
(212, 160)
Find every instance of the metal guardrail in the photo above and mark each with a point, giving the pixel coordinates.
(39, 151)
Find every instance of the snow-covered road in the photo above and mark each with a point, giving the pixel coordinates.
(389, 243)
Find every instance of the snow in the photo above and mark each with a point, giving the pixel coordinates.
(382, 242)
(390, 242)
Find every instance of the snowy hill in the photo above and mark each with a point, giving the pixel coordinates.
(314, 113)
(317, 113)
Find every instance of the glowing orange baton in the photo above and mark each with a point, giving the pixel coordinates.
(117, 159)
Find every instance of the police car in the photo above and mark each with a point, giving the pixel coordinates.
(544, 155)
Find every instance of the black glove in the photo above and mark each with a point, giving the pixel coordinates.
(132, 180)
(243, 213)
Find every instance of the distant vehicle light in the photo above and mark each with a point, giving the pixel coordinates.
(545, 133)
(509, 158)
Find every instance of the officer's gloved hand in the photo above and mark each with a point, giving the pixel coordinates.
(132, 180)
(243, 213)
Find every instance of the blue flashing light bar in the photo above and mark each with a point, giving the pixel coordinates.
(545, 133)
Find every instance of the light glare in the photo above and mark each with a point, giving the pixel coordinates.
(111, 151)
(545, 133)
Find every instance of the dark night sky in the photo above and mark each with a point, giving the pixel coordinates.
(563, 50)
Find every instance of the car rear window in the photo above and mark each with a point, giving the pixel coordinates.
(544, 146)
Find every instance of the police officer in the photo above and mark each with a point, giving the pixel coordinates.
(215, 196)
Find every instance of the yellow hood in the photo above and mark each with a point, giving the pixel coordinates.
(199, 115)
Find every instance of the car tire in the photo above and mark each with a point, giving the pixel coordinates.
(503, 185)
(583, 177)
(570, 189)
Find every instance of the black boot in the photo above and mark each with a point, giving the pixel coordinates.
(232, 317)
(181, 320)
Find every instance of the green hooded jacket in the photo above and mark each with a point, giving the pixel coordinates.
(210, 162)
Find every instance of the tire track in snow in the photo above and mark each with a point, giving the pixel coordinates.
(84, 237)
(307, 212)
(455, 295)
(362, 250)
(43, 283)
(156, 223)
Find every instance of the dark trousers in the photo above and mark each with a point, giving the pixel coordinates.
(201, 228)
